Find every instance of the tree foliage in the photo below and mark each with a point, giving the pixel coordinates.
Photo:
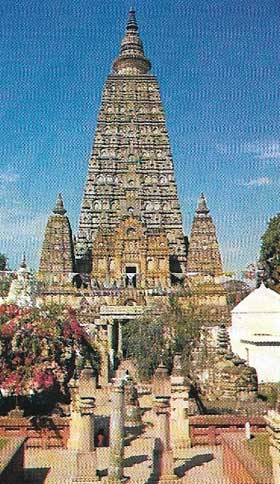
(270, 251)
(159, 333)
(3, 262)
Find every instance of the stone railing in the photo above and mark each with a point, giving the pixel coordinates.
(208, 429)
(120, 310)
(53, 432)
(12, 461)
(41, 432)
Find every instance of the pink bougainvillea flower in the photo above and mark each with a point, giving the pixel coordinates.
(8, 328)
(40, 345)
(28, 360)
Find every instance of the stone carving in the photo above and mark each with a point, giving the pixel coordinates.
(130, 256)
(219, 374)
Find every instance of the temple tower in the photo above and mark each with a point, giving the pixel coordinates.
(57, 257)
(204, 258)
(130, 172)
(204, 269)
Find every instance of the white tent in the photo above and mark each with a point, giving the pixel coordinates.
(255, 332)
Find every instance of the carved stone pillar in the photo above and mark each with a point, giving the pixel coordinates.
(132, 408)
(74, 430)
(164, 465)
(179, 429)
(110, 344)
(87, 387)
(120, 341)
(83, 430)
(104, 375)
(161, 409)
(115, 470)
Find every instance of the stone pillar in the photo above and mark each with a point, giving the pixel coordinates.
(75, 416)
(163, 454)
(110, 345)
(87, 388)
(179, 429)
(120, 342)
(115, 470)
(273, 427)
(83, 429)
(104, 375)
(82, 412)
(132, 408)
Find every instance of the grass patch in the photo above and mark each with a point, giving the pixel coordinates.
(259, 447)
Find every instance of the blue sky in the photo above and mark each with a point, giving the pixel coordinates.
(217, 63)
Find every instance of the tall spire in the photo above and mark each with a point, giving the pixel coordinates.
(121, 179)
(131, 23)
(59, 207)
(131, 59)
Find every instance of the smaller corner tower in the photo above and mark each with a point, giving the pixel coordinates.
(57, 257)
(205, 269)
(204, 258)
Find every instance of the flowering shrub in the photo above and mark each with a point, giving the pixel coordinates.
(40, 349)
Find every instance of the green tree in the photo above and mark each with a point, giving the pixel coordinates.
(270, 251)
(5, 276)
(3, 262)
(160, 332)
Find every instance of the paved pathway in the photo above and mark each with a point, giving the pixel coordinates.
(202, 466)
(58, 466)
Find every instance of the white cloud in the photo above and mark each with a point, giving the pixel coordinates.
(258, 182)
(9, 176)
(264, 150)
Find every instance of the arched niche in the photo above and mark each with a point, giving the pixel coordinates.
(130, 302)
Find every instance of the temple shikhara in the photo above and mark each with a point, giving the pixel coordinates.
(130, 247)
(130, 259)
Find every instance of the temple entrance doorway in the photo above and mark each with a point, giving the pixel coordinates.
(130, 276)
